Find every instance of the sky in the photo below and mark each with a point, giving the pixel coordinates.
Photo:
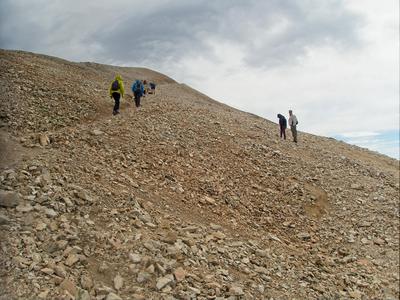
(335, 63)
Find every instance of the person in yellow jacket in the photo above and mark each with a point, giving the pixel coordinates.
(116, 92)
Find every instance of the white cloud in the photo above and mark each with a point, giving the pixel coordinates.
(359, 134)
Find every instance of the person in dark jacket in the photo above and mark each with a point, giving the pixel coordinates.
(138, 90)
(282, 126)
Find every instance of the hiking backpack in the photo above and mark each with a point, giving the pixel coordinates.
(115, 85)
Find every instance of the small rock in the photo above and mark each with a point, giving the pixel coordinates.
(83, 295)
(379, 241)
(304, 236)
(41, 226)
(143, 277)
(60, 271)
(179, 274)
(47, 271)
(209, 200)
(43, 294)
(72, 259)
(215, 226)
(24, 208)
(112, 296)
(118, 282)
(43, 139)
(261, 253)
(236, 291)
(135, 258)
(164, 281)
(86, 282)
(51, 213)
(97, 132)
(8, 199)
(4, 220)
(67, 201)
(356, 186)
(69, 286)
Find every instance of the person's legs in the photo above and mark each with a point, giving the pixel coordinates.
(116, 97)
(294, 133)
(284, 133)
(281, 131)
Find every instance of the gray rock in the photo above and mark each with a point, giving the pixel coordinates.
(135, 258)
(4, 220)
(8, 198)
(164, 281)
(112, 296)
(304, 236)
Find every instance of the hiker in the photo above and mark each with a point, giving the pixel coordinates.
(293, 123)
(138, 90)
(153, 88)
(145, 88)
(116, 92)
(282, 126)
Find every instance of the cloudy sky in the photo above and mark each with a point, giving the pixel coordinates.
(334, 62)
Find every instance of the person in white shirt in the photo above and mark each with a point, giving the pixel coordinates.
(293, 123)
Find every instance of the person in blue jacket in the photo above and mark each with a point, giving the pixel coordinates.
(138, 90)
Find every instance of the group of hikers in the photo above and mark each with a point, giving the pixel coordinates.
(292, 123)
(140, 88)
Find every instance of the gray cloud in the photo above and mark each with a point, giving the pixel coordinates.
(270, 32)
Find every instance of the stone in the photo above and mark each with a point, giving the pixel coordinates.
(4, 220)
(86, 282)
(48, 271)
(60, 271)
(24, 208)
(43, 294)
(43, 139)
(379, 241)
(179, 274)
(164, 281)
(356, 186)
(8, 198)
(82, 194)
(236, 291)
(209, 200)
(118, 282)
(72, 259)
(51, 213)
(97, 132)
(112, 296)
(68, 202)
(69, 286)
(135, 258)
(41, 226)
(143, 277)
(170, 237)
(83, 295)
(261, 253)
(304, 236)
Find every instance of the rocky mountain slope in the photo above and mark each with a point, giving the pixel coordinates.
(184, 199)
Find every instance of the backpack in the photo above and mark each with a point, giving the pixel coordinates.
(115, 85)
(138, 86)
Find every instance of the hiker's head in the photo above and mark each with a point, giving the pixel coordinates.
(279, 116)
(290, 112)
(118, 77)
